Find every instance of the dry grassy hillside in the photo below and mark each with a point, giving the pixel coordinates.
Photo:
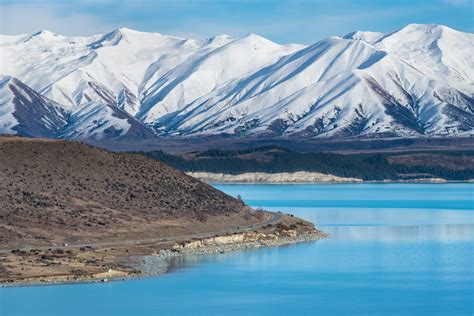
(58, 190)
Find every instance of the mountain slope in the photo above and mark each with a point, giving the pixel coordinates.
(416, 81)
(26, 112)
(336, 87)
(197, 77)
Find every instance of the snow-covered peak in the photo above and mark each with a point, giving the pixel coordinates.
(369, 37)
(219, 40)
(45, 33)
(45, 36)
(439, 51)
(420, 35)
(125, 30)
(109, 39)
(425, 28)
(410, 33)
(134, 38)
(257, 40)
(132, 34)
(436, 50)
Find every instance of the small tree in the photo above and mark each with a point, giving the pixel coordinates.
(239, 198)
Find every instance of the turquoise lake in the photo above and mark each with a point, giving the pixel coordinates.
(395, 249)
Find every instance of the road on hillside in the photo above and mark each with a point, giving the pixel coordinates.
(275, 217)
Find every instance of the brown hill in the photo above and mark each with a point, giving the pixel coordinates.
(58, 191)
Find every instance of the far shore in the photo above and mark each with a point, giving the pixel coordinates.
(301, 177)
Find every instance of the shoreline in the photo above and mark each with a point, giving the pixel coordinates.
(162, 259)
(363, 182)
(157, 264)
(303, 178)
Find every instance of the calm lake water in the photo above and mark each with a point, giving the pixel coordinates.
(394, 249)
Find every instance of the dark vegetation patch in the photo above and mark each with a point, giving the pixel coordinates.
(450, 165)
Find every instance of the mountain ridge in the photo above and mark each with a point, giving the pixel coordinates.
(416, 81)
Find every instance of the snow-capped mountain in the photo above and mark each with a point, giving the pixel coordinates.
(26, 112)
(415, 81)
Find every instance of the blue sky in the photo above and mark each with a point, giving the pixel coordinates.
(298, 21)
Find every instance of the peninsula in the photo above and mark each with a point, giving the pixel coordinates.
(71, 212)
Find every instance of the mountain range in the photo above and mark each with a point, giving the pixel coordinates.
(130, 85)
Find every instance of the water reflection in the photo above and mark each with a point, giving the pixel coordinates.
(335, 216)
(419, 233)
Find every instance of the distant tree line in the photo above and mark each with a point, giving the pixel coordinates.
(233, 153)
(364, 166)
(435, 171)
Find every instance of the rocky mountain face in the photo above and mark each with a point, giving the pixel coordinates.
(133, 85)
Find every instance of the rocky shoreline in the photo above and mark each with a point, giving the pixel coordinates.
(159, 263)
